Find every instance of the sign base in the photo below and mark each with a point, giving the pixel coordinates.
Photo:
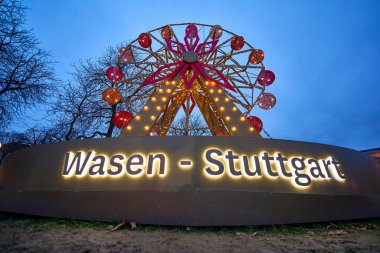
(191, 181)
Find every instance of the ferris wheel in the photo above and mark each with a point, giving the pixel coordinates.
(174, 68)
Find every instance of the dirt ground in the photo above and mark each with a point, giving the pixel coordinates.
(32, 234)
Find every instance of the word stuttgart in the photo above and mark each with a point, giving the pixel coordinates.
(300, 170)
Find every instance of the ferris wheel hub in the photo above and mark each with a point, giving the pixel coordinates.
(190, 57)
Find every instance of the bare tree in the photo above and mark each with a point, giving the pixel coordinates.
(80, 112)
(30, 137)
(11, 141)
(196, 124)
(26, 73)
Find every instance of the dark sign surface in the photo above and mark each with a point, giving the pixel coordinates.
(191, 181)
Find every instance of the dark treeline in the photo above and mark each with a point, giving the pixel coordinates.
(74, 109)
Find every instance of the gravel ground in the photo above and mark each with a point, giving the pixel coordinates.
(32, 234)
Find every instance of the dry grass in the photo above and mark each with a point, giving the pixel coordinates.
(20, 233)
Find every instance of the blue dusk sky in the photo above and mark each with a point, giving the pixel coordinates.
(325, 54)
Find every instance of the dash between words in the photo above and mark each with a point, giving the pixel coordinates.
(300, 170)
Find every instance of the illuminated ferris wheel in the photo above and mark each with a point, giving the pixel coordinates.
(174, 68)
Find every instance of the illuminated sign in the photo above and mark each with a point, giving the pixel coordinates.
(213, 181)
(299, 170)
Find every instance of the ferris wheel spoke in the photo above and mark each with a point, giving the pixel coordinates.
(137, 76)
(236, 70)
(148, 52)
(243, 67)
(208, 36)
(239, 92)
(168, 54)
(220, 61)
(150, 63)
(212, 56)
(247, 83)
(157, 57)
(237, 101)
(176, 38)
(239, 75)
(159, 41)
(227, 57)
(140, 48)
(244, 87)
(144, 68)
(234, 53)
(220, 45)
(248, 77)
(135, 92)
(148, 66)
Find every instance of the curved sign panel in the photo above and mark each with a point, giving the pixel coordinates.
(195, 181)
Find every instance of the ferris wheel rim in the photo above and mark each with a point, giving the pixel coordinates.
(200, 24)
(152, 52)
